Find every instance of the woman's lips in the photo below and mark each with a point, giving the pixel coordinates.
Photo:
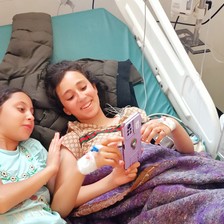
(86, 105)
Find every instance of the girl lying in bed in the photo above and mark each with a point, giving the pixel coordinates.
(25, 167)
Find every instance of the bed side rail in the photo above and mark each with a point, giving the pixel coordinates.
(173, 68)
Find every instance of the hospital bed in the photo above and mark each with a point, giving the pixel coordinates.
(171, 83)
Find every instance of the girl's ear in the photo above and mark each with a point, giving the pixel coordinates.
(67, 111)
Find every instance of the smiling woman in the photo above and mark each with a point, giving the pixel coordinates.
(76, 92)
(74, 89)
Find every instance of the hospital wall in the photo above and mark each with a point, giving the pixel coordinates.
(210, 65)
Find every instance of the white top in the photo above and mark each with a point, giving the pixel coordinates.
(28, 159)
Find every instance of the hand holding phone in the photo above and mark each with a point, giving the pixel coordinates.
(131, 132)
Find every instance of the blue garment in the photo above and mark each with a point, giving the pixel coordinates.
(28, 159)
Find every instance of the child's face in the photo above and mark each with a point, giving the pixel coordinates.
(78, 96)
(16, 117)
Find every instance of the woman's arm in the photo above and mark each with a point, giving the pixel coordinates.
(181, 139)
(69, 192)
(116, 178)
(156, 128)
(67, 184)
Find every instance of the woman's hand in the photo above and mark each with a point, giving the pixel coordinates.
(159, 128)
(155, 129)
(109, 154)
(120, 176)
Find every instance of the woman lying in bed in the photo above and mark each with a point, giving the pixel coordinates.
(75, 92)
(172, 186)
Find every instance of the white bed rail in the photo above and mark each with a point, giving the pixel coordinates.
(173, 68)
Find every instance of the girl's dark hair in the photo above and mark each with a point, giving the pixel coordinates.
(6, 92)
(56, 72)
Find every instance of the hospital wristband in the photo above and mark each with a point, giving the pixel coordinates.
(168, 122)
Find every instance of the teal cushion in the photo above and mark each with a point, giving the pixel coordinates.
(5, 35)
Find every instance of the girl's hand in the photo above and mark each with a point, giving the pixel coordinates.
(53, 159)
(154, 129)
(120, 176)
(109, 154)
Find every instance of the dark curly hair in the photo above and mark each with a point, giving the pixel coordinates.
(6, 92)
(56, 72)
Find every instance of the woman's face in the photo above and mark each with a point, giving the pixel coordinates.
(78, 96)
(16, 117)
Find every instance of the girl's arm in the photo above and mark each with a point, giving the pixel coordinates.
(12, 194)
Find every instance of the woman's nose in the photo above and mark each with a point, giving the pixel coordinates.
(81, 95)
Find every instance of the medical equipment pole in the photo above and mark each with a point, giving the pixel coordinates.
(200, 11)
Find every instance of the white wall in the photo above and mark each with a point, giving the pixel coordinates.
(211, 64)
(8, 8)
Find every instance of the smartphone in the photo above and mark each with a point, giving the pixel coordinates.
(131, 145)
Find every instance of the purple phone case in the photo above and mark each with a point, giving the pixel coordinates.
(131, 132)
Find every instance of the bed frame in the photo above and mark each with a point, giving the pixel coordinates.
(174, 70)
